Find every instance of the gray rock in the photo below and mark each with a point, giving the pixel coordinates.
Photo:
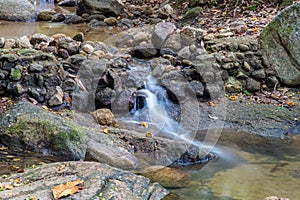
(111, 155)
(271, 81)
(68, 44)
(58, 17)
(23, 42)
(69, 85)
(252, 85)
(233, 85)
(79, 37)
(244, 47)
(119, 63)
(144, 51)
(173, 41)
(9, 43)
(74, 19)
(190, 35)
(161, 31)
(259, 74)
(57, 98)
(246, 66)
(46, 15)
(280, 40)
(87, 48)
(108, 8)
(94, 23)
(17, 10)
(165, 11)
(35, 67)
(38, 38)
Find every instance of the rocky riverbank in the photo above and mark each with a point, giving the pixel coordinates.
(211, 81)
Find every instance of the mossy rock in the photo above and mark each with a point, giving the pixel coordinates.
(15, 74)
(31, 127)
(192, 13)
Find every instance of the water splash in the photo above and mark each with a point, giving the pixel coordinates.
(44, 4)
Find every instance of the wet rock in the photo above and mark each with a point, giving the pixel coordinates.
(111, 155)
(280, 40)
(74, 19)
(167, 176)
(233, 85)
(271, 81)
(38, 38)
(17, 10)
(103, 116)
(198, 88)
(108, 8)
(114, 183)
(96, 24)
(79, 37)
(63, 53)
(252, 85)
(144, 51)
(111, 21)
(69, 3)
(98, 17)
(58, 17)
(46, 15)
(161, 31)
(57, 98)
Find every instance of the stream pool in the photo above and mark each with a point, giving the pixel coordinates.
(248, 167)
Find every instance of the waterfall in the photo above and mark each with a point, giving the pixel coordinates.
(44, 4)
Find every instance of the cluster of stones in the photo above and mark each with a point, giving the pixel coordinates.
(44, 68)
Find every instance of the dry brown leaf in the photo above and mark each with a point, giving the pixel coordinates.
(66, 189)
(145, 124)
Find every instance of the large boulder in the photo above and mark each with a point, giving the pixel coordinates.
(108, 8)
(17, 10)
(281, 43)
(100, 182)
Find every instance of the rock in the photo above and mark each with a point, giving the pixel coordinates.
(173, 41)
(190, 35)
(108, 8)
(88, 48)
(259, 74)
(68, 44)
(9, 43)
(246, 66)
(79, 37)
(275, 198)
(192, 13)
(96, 24)
(69, 3)
(17, 10)
(252, 85)
(167, 176)
(271, 81)
(57, 98)
(2, 41)
(63, 53)
(103, 116)
(238, 27)
(233, 85)
(23, 42)
(167, 51)
(74, 19)
(244, 47)
(111, 21)
(280, 41)
(144, 51)
(33, 128)
(198, 88)
(38, 38)
(119, 63)
(35, 67)
(58, 17)
(46, 15)
(165, 11)
(111, 155)
(161, 31)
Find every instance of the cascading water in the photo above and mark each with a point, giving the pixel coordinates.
(150, 106)
(44, 4)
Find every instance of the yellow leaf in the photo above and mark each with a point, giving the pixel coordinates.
(149, 135)
(45, 107)
(145, 124)
(105, 130)
(16, 159)
(9, 187)
(255, 29)
(233, 98)
(211, 104)
(66, 189)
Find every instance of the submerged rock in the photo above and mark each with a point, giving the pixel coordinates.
(99, 180)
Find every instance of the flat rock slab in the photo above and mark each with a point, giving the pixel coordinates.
(100, 181)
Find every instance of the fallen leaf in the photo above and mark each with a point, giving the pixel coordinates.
(20, 171)
(66, 189)
(232, 98)
(212, 104)
(145, 124)
(45, 107)
(3, 148)
(149, 135)
(255, 29)
(291, 103)
(105, 130)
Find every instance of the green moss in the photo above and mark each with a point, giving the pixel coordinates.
(15, 74)
(285, 4)
(192, 13)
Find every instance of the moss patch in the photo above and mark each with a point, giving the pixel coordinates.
(192, 13)
(15, 74)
